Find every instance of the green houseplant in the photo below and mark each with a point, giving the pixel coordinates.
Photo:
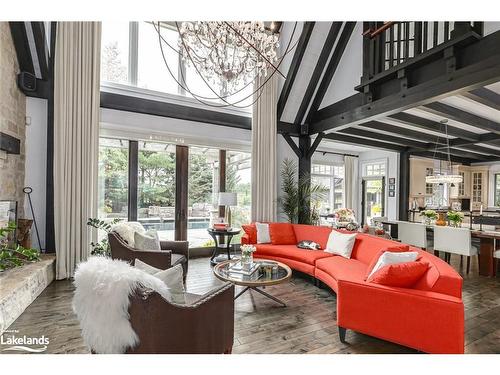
(13, 255)
(295, 189)
(102, 247)
(428, 216)
(455, 218)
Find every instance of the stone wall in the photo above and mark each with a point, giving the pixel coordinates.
(12, 121)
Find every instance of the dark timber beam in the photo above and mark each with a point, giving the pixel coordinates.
(41, 48)
(426, 124)
(315, 145)
(363, 142)
(477, 65)
(441, 156)
(182, 112)
(405, 142)
(331, 69)
(484, 96)
(294, 66)
(292, 145)
(287, 128)
(464, 117)
(304, 174)
(318, 70)
(21, 44)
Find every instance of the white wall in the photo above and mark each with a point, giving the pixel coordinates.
(349, 71)
(36, 163)
(392, 171)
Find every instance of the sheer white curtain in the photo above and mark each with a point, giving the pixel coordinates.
(264, 130)
(76, 140)
(351, 182)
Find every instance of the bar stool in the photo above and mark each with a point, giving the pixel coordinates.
(454, 241)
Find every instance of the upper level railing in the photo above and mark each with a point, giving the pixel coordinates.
(389, 44)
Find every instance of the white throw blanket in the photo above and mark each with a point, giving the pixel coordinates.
(101, 302)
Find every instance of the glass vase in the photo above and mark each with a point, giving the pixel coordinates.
(456, 224)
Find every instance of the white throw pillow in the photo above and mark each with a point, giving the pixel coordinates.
(148, 240)
(171, 277)
(393, 258)
(263, 233)
(126, 231)
(139, 264)
(340, 243)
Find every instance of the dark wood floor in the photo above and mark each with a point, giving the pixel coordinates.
(306, 325)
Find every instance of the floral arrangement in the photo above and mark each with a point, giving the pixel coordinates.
(429, 214)
(455, 217)
(247, 253)
(344, 214)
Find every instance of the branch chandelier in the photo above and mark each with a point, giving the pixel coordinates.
(445, 174)
(227, 56)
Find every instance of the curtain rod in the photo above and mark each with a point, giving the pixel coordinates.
(336, 153)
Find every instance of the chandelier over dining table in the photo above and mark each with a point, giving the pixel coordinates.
(228, 56)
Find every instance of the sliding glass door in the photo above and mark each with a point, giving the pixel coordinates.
(156, 188)
(373, 189)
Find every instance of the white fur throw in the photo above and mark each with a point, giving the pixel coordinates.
(101, 302)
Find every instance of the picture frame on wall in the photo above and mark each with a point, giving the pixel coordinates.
(392, 187)
(392, 180)
(392, 193)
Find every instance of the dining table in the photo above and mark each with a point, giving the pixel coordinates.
(486, 234)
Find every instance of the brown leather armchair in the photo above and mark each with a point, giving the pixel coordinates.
(171, 253)
(204, 325)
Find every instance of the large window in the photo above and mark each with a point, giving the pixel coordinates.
(158, 207)
(238, 180)
(332, 178)
(156, 188)
(203, 188)
(131, 55)
(113, 178)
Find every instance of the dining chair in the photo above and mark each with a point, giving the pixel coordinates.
(414, 234)
(454, 241)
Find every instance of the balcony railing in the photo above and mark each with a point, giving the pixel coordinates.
(389, 44)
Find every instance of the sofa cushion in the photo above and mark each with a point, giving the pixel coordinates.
(263, 233)
(392, 249)
(389, 257)
(291, 252)
(305, 232)
(148, 240)
(282, 234)
(340, 243)
(367, 247)
(341, 268)
(402, 275)
(251, 231)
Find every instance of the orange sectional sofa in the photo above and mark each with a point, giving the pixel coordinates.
(428, 317)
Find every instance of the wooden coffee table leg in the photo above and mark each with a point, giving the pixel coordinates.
(270, 296)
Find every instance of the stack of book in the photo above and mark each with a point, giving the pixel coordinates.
(243, 269)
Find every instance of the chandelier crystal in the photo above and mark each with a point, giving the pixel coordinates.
(229, 54)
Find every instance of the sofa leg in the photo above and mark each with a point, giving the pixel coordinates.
(468, 264)
(342, 332)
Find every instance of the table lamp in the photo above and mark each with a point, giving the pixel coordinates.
(227, 200)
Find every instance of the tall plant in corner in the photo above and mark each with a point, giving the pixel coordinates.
(101, 248)
(294, 189)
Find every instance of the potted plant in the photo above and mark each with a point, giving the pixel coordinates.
(428, 216)
(14, 255)
(455, 218)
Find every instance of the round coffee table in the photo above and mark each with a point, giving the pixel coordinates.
(255, 281)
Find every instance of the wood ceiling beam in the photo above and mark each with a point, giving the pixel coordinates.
(404, 142)
(478, 65)
(294, 66)
(426, 124)
(484, 96)
(318, 70)
(462, 116)
(397, 130)
(331, 69)
(337, 137)
(441, 156)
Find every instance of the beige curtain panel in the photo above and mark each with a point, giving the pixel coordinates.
(264, 130)
(350, 182)
(76, 140)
